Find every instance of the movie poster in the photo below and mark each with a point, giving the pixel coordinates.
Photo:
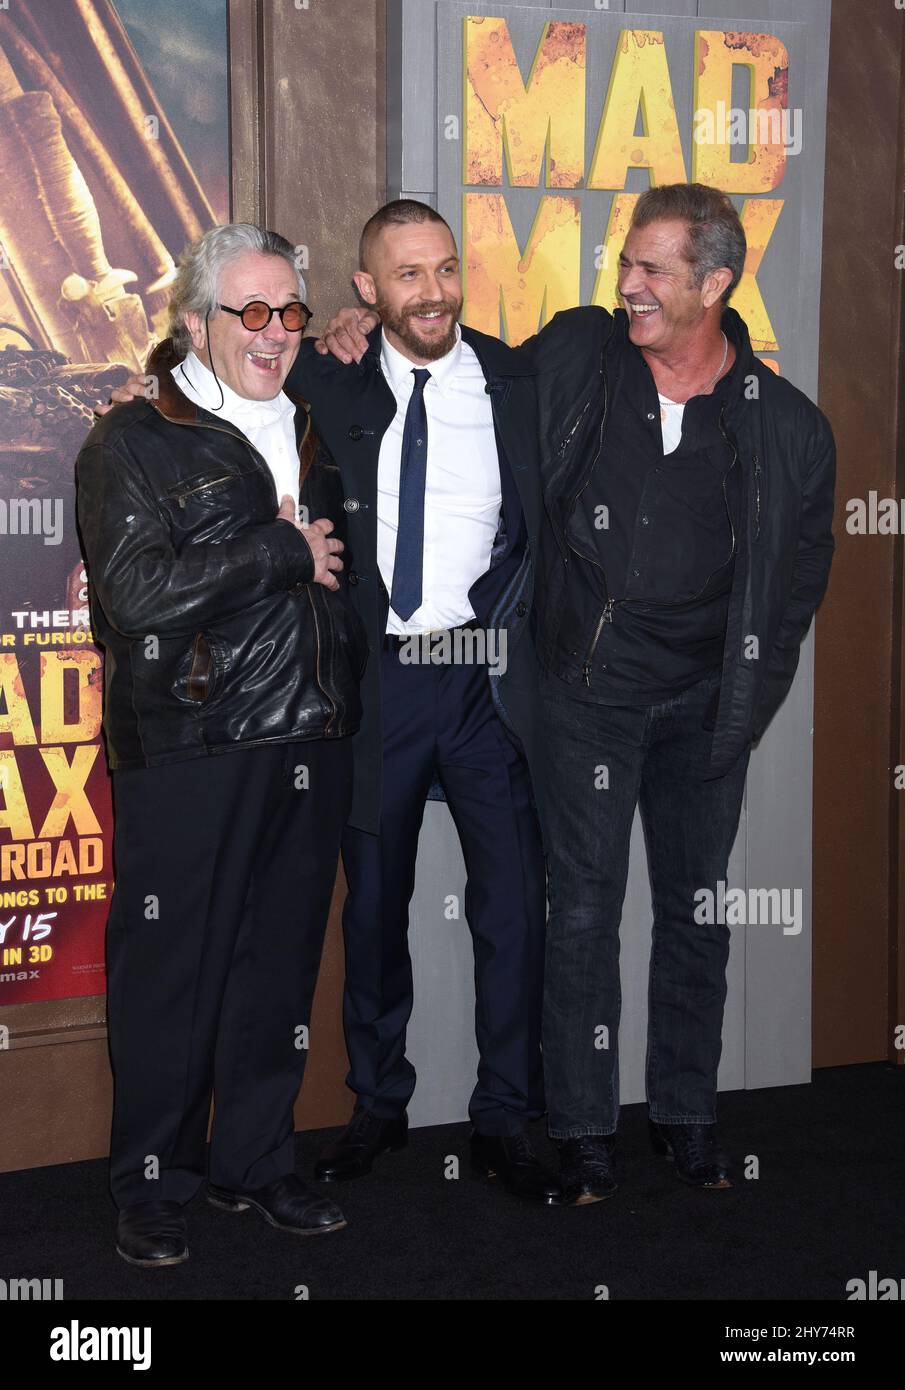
(113, 155)
(552, 123)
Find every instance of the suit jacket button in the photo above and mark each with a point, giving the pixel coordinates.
(355, 431)
(351, 504)
(520, 610)
(353, 577)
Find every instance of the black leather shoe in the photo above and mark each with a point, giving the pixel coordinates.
(698, 1158)
(510, 1158)
(587, 1170)
(287, 1203)
(364, 1138)
(152, 1233)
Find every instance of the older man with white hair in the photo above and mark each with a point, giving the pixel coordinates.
(232, 665)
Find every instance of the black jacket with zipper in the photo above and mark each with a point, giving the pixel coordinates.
(785, 449)
(214, 634)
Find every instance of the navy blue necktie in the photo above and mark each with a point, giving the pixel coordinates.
(408, 565)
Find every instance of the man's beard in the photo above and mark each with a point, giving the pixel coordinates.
(429, 348)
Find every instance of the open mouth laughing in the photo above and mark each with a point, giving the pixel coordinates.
(268, 362)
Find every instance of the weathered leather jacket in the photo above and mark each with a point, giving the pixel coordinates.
(214, 634)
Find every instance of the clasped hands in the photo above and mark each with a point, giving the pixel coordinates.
(324, 547)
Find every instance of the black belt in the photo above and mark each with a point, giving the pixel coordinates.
(394, 641)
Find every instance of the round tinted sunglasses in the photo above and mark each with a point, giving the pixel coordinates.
(294, 316)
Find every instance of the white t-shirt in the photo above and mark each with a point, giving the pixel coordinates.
(671, 413)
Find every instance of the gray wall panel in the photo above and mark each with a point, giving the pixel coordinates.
(442, 1045)
(766, 1037)
(412, 34)
(779, 790)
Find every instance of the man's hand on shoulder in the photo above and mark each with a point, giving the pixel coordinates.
(346, 334)
(121, 395)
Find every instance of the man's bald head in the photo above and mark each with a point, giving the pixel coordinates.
(410, 274)
(399, 213)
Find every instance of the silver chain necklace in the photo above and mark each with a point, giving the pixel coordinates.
(710, 385)
(705, 391)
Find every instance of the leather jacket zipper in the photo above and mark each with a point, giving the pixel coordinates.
(213, 482)
(317, 633)
(605, 617)
(725, 494)
(757, 471)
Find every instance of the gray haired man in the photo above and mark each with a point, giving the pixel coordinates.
(232, 666)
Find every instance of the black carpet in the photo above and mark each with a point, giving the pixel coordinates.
(826, 1208)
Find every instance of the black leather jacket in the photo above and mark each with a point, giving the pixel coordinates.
(784, 446)
(214, 634)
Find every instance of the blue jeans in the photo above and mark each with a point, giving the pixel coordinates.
(602, 761)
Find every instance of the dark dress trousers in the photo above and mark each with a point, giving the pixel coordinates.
(225, 852)
(442, 731)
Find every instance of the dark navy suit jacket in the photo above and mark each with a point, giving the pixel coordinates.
(352, 406)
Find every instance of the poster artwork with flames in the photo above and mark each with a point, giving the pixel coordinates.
(99, 196)
(552, 123)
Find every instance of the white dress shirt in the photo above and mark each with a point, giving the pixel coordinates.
(268, 425)
(462, 495)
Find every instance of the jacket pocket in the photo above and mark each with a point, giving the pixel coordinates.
(196, 676)
(202, 487)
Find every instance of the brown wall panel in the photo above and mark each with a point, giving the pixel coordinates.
(858, 628)
(319, 171)
(57, 1101)
(308, 148)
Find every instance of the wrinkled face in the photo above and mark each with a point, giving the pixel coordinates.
(655, 283)
(254, 364)
(413, 280)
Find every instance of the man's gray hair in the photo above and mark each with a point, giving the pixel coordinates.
(196, 289)
(716, 239)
